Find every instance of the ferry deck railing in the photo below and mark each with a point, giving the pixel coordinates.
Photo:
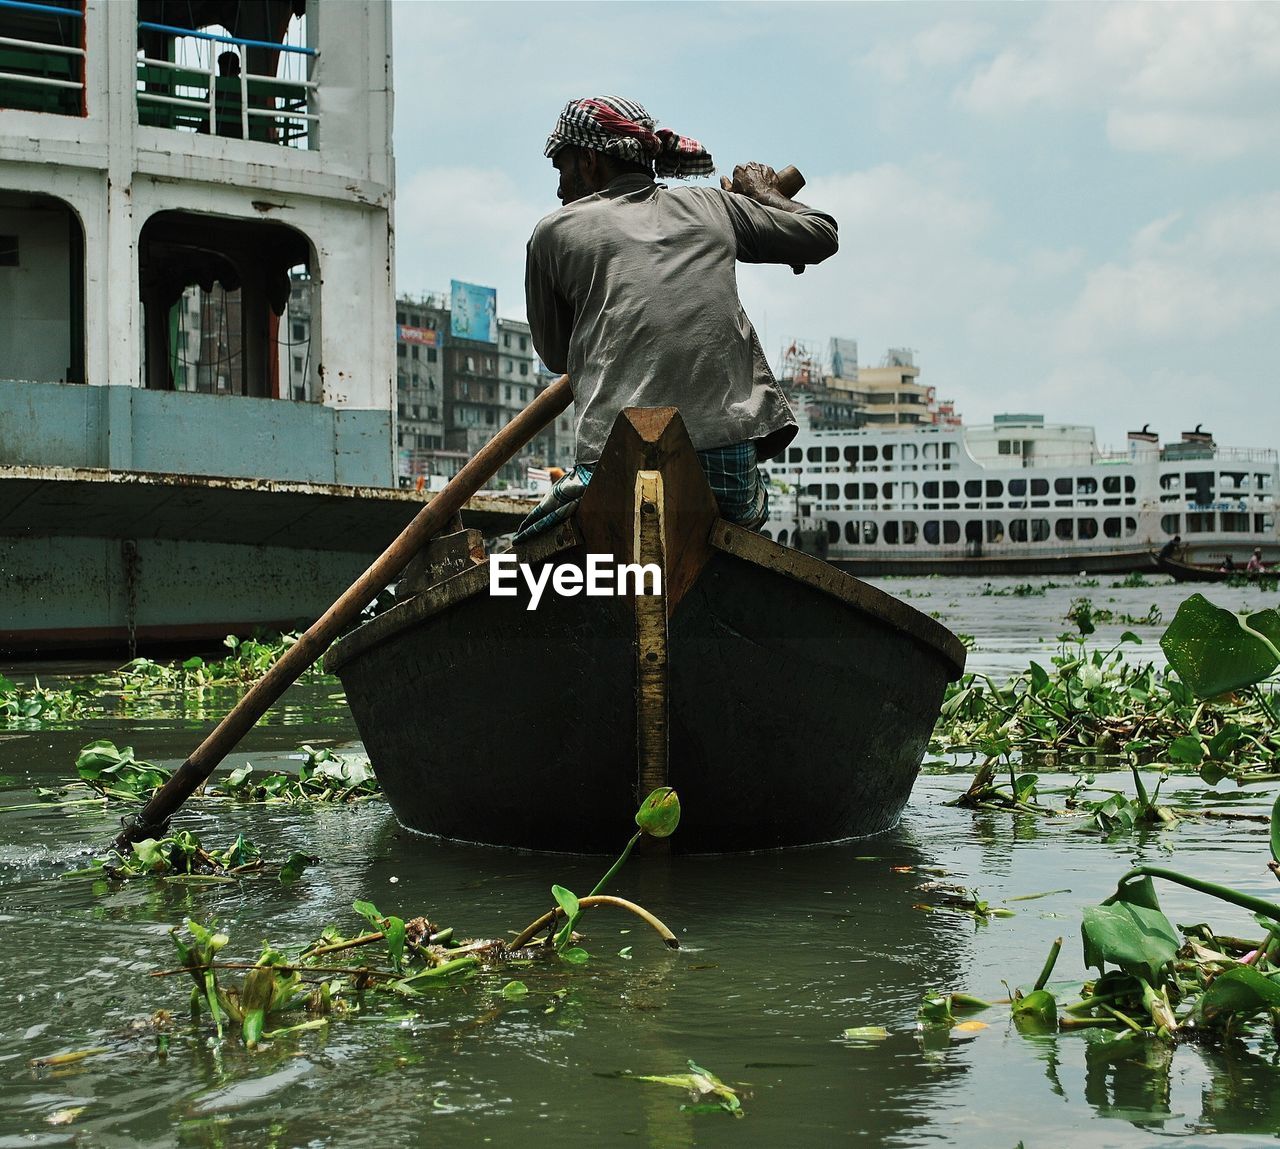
(42, 75)
(195, 98)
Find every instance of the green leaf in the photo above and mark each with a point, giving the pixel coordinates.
(1039, 678)
(935, 1010)
(514, 990)
(369, 912)
(659, 814)
(294, 868)
(1225, 741)
(394, 933)
(1239, 990)
(1211, 773)
(1037, 1011)
(1215, 652)
(1275, 830)
(865, 1033)
(575, 955)
(1187, 748)
(1131, 933)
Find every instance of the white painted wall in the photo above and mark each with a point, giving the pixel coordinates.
(35, 331)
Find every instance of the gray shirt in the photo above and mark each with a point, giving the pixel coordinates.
(633, 292)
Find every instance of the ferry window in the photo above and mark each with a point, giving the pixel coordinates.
(931, 534)
(833, 490)
(1168, 524)
(1039, 486)
(1111, 483)
(833, 454)
(794, 455)
(995, 488)
(995, 531)
(910, 492)
(851, 532)
(851, 454)
(814, 454)
(1234, 521)
(888, 453)
(950, 489)
(1086, 485)
(908, 451)
(1111, 527)
(1199, 486)
(890, 492)
(1130, 526)
(1062, 486)
(891, 533)
(869, 492)
(400, 317)
(869, 454)
(1086, 528)
(870, 532)
(1017, 487)
(929, 451)
(833, 531)
(1129, 484)
(1262, 481)
(909, 532)
(1039, 530)
(950, 531)
(782, 537)
(1062, 528)
(814, 489)
(1005, 447)
(946, 450)
(1233, 480)
(1018, 531)
(1199, 522)
(766, 534)
(931, 490)
(851, 490)
(973, 489)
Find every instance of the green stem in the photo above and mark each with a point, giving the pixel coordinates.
(626, 853)
(1050, 962)
(1225, 893)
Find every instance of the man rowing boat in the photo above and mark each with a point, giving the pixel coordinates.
(631, 290)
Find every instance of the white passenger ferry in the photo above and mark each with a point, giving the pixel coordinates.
(1018, 496)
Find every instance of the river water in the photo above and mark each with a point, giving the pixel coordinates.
(780, 954)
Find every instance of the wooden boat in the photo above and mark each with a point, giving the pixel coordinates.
(788, 703)
(1194, 572)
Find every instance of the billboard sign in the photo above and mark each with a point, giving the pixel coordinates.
(473, 312)
(423, 336)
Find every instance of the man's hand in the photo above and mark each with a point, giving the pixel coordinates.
(760, 183)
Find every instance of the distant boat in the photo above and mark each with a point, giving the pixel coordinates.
(788, 703)
(1016, 497)
(1201, 572)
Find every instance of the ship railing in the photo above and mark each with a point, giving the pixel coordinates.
(195, 98)
(37, 75)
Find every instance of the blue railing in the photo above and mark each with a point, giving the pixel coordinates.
(191, 95)
(43, 75)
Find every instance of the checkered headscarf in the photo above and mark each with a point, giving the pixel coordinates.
(625, 130)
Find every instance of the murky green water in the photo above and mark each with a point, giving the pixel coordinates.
(780, 954)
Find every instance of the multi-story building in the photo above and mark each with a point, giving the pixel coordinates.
(422, 325)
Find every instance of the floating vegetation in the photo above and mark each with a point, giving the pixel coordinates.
(181, 857)
(707, 1093)
(414, 955)
(31, 707)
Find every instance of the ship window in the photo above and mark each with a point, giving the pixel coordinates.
(1262, 480)
(1200, 486)
(851, 490)
(1111, 483)
(1130, 526)
(1168, 524)
(869, 454)
(1167, 483)
(1199, 522)
(995, 488)
(814, 454)
(950, 489)
(1062, 528)
(833, 490)
(1005, 447)
(1086, 485)
(766, 534)
(1062, 486)
(890, 491)
(833, 454)
(1017, 487)
(931, 490)
(909, 532)
(782, 537)
(888, 453)
(973, 489)
(909, 492)
(931, 534)
(908, 451)
(1111, 527)
(814, 489)
(1234, 521)
(1018, 531)
(1129, 484)
(1233, 480)
(851, 454)
(851, 532)
(995, 531)
(946, 450)
(869, 492)
(891, 533)
(1039, 530)
(870, 532)
(929, 451)
(833, 531)
(1086, 528)
(794, 455)
(950, 531)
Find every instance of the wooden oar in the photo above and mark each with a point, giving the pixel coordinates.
(154, 818)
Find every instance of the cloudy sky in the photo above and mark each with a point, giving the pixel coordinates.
(1071, 209)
